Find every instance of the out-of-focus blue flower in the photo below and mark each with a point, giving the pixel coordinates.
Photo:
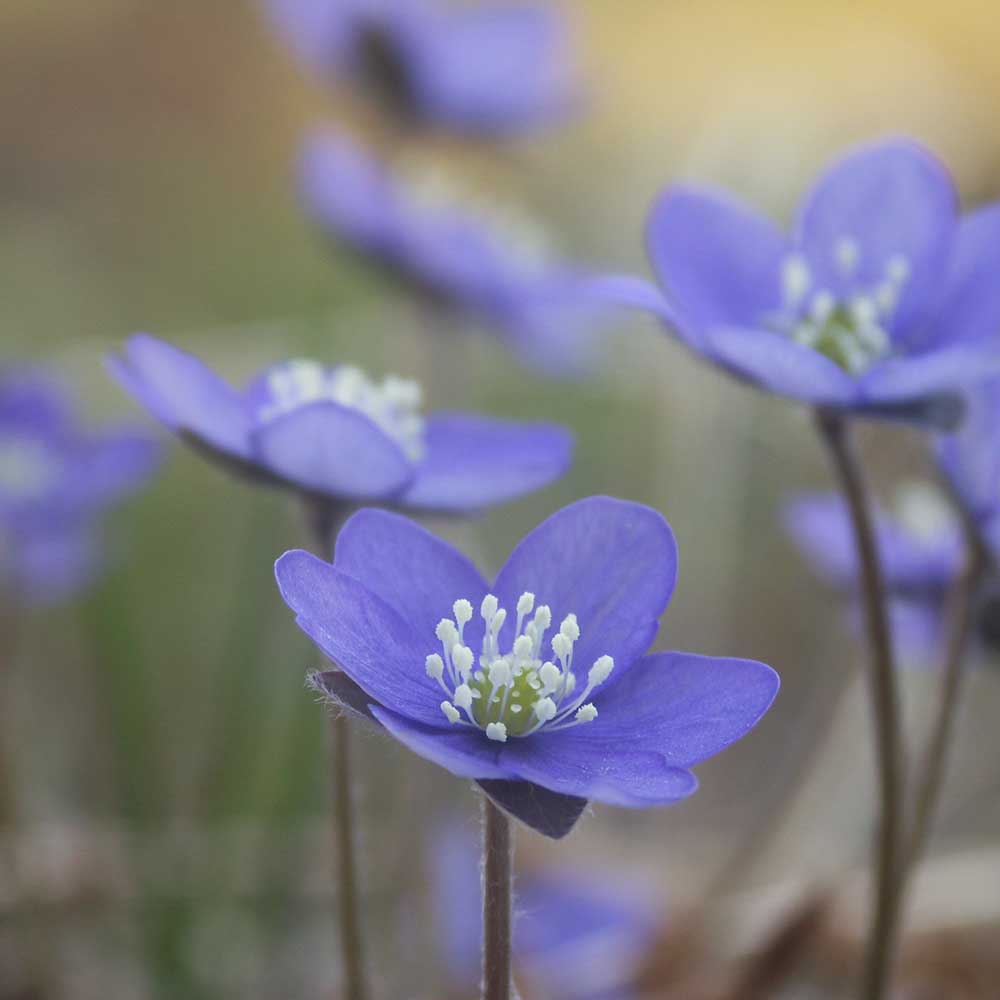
(559, 704)
(539, 306)
(55, 479)
(970, 458)
(921, 551)
(485, 70)
(880, 301)
(578, 935)
(335, 433)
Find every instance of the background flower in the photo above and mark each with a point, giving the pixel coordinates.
(488, 69)
(599, 720)
(872, 304)
(335, 433)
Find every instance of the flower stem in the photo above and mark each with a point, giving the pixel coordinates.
(498, 865)
(877, 968)
(932, 769)
(325, 520)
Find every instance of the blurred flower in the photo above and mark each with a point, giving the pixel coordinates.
(55, 479)
(577, 935)
(485, 267)
(487, 70)
(920, 545)
(333, 432)
(543, 725)
(881, 301)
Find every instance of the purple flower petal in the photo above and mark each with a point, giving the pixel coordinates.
(114, 464)
(463, 751)
(549, 813)
(892, 199)
(970, 458)
(473, 462)
(332, 449)
(947, 368)
(718, 261)
(611, 562)
(359, 632)
(632, 293)
(183, 393)
(970, 302)
(781, 365)
(414, 572)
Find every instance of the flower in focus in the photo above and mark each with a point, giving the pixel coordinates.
(578, 935)
(335, 433)
(486, 70)
(881, 300)
(493, 271)
(55, 479)
(538, 686)
(920, 544)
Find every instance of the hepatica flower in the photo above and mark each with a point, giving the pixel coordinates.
(336, 433)
(486, 70)
(483, 265)
(920, 545)
(55, 480)
(880, 300)
(538, 685)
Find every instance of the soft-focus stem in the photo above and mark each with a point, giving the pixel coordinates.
(876, 972)
(325, 520)
(8, 652)
(930, 777)
(498, 875)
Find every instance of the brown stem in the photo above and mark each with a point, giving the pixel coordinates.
(878, 962)
(498, 863)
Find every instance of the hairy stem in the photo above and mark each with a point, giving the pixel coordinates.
(930, 777)
(325, 520)
(498, 862)
(876, 971)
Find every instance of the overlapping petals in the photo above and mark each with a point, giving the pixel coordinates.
(609, 563)
(338, 450)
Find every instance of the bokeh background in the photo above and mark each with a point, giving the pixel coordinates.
(164, 765)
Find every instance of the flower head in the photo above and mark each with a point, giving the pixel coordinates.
(578, 934)
(880, 301)
(336, 433)
(486, 70)
(55, 479)
(545, 695)
(482, 264)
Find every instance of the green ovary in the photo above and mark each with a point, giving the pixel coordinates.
(517, 715)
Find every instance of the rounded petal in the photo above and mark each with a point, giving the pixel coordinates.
(970, 303)
(359, 632)
(946, 369)
(718, 261)
(183, 393)
(333, 450)
(680, 707)
(473, 462)
(611, 562)
(416, 573)
(970, 458)
(34, 400)
(114, 464)
(779, 364)
(462, 750)
(632, 293)
(893, 199)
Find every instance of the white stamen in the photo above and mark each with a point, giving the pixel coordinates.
(450, 711)
(496, 731)
(462, 657)
(586, 713)
(897, 269)
(489, 607)
(569, 628)
(463, 612)
(846, 253)
(545, 709)
(499, 673)
(525, 603)
(435, 666)
(822, 305)
(463, 696)
(795, 280)
(550, 675)
(600, 671)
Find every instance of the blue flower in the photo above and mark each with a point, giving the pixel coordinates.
(880, 301)
(548, 709)
(335, 433)
(536, 304)
(578, 935)
(488, 70)
(55, 479)
(920, 545)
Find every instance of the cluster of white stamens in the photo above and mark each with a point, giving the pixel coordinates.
(27, 468)
(392, 404)
(515, 693)
(851, 330)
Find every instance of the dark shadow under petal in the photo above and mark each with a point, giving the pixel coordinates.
(551, 814)
(338, 689)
